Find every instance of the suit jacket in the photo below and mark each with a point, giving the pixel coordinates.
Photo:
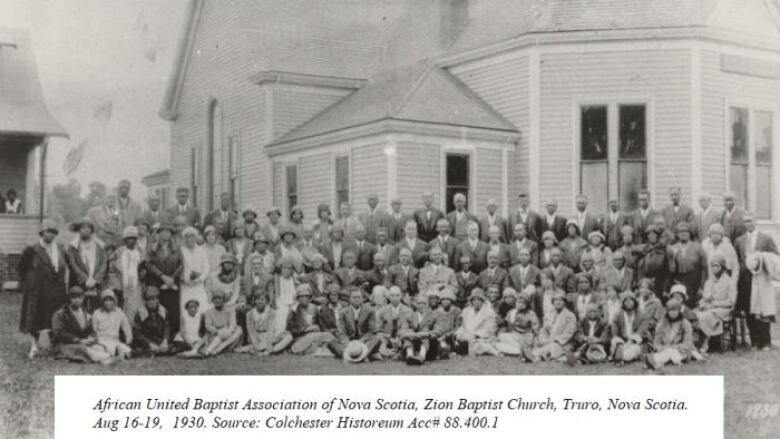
(702, 222)
(611, 277)
(639, 326)
(503, 254)
(533, 224)
(376, 277)
(365, 255)
(600, 331)
(406, 282)
(66, 329)
(191, 213)
(640, 224)
(389, 250)
(478, 255)
(764, 243)
(159, 263)
(271, 233)
(39, 278)
(419, 252)
(564, 279)
(430, 276)
(558, 227)
(296, 319)
(514, 252)
(458, 228)
(612, 229)
(264, 282)
(395, 226)
(419, 323)
(684, 213)
(519, 282)
(560, 329)
(371, 223)
(346, 279)
(499, 277)
(152, 218)
(318, 292)
(500, 222)
(329, 318)
(589, 224)
(79, 272)
(733, 223)
(107, 224)
(465, 285)
(389, 324)
(449, 248)
(328, 252)
(129, 212)
(348, 225)
(426, 228)
(363, 328)
(232, 216)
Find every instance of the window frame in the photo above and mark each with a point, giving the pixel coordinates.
(195, 174)
(446, 201)
(287, 194)
(336, 199)
(234, 168)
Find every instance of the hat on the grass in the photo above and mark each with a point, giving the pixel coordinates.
(355, 351)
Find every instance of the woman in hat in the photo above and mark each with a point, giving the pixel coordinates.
(673, 341)
(164, 269)
(630, 331)
(592, 336)
(601, 253)
(287, 248)
(263, 332)
(651, 260)
(447, 317)
(214, 250)
(573, 245)
(543, 300)
(296, 221)
(717, 302)
(72, 332)
(222, 330)
(549, 242)
(42, 271)
(195, 270)
(586, 295)
(554, 342)
(240, 246)
(522, 326)
(271, 228)
(227, 280)
(717, 244)
(477, 332)
(687, 264)
(627, 247)
(250, 225)
(260, 247)
(123, 272)
(323, 225)
(87, 261)
(111, 327)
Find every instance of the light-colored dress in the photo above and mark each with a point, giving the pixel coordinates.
(720, 295)
(726, 250)
(196, 263)
(522, 328)
(107, 326)
(214, 253)
(189, 328)
(478, 328)
(232, 289)
(126, 266)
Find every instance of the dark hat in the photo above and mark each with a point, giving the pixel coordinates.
(75, 291)
(166, 226)
(85, 221)
(227, 258)
(285, 230)
(250, 212)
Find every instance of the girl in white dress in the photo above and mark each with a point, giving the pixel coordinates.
(196, 270)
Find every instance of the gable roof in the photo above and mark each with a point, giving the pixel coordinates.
(22, 108)
(421, 92)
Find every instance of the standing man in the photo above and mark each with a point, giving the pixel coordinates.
(687, 264)
(364, 250)
(472, 247)
(183, 207)
(224, 212)
(460, 217)
(396, 220)
(153, 215)
(445, 242)
(525, 215)
(347, 221)
(427, 218)
(373, 218)
(493, 219)
(130, 211)
(708, 216)
(87, 263)
(613, 223)
(436, 273)
(586, 221)
(677, 212)
(552, 221)
(643, 217)
(384, 247)
(733, 217)
(415, 245)
(105, 219)
(521, 242)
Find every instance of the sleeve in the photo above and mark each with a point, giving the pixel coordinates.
(25, 262)
(372, 323)
(138, 334)
(70, 256)
(60, 331)
(341, 328)
(208, 323)
(126, 329)
(568, 331)
(290, 324)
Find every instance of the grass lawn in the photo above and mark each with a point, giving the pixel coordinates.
(27, 391)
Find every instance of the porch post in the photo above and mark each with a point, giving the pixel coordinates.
(42, 195)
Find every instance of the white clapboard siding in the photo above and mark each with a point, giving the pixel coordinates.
(661, 75)
(315, 176)
(489, 179)
(720, 89)
(369, 174)
(419, 166)
(17, 232)
(504, 86)
(219, 66)
(292, 108)
(278, 185)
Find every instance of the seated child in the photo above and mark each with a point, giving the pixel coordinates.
(630, 335)
(190, 338)
(673, 338)
(303, 323)
(521, 328)
(150, 326)
(72, 332)
(416, 333)
(447, 317)
(477, 331)
(556, 335)
(593, 336)
(264, 336)
(222, 330)
(108, 322)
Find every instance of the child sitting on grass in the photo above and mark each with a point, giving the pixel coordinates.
(222, 330)
(673, 338)
(262, 330)
(593, 336)
(108, 322)
(150, 326)
(190, 330)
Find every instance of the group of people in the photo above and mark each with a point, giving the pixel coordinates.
(658, 286)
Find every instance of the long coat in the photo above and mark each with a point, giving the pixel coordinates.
(43, 287)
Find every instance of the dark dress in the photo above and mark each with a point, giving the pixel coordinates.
(651, 263)
(43, 288)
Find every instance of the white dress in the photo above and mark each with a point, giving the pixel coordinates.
(195, 261)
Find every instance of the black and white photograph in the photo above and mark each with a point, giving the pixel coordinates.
(390, 187)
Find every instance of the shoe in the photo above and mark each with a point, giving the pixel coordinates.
(414, 360)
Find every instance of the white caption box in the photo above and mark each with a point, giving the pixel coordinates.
(388, 406)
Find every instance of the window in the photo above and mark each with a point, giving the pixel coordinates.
(342, 181)
(292, 186)
(233, 167)
(457, 178)
(751, 148)
(162, 193)
(194, 175)
(613, 153)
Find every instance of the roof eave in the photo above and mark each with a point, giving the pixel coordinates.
(291, 78)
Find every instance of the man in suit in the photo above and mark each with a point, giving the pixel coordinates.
(619, 276)
(130, 211)
(182, 207)
(427, 218)
(563, 276)
(472, 247)
(751, 241)
(498, 247)
(524, 276)
(708, 216)
(396, 220)
(586, 221)
(460, 217)
(677, 212)
(87, 262)
(410, 242)
(493, 274)
(349, 275)
(525, 215)
(553, 221)
(335, 248)
(379, 274)
(445, 242)
(153, 215)
(347, 221)
(105, 219)
(643, 217)
(493, 219)
(404, 275)
(364, 250)
(613, 223)
(436, 272)
(732, 217)
(384, 247)
(224, 212)
(356, 322)
(520, 242)
(373, 218)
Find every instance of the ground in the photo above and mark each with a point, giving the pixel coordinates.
(27, 390)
